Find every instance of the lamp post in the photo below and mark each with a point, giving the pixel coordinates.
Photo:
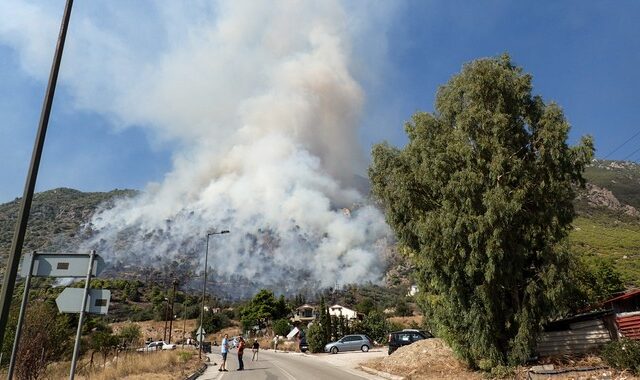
(204, 288)
(166, 310)
(173, 298)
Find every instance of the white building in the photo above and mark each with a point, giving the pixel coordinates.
(339, 311)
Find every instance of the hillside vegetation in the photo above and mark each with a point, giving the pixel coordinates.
(55, 220)
(606, 225)
(608, 222)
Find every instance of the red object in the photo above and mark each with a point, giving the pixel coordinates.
(629, 326)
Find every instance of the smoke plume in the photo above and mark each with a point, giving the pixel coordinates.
(261, 101)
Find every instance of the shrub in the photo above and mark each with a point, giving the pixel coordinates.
(184, 356)
(623, 354)
(281, 327)
(315, 338)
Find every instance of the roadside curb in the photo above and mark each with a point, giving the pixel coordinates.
(199, 372)
(381, 374)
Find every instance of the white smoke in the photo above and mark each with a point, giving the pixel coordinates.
(261, 101)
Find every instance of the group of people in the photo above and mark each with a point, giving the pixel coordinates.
(224, 350)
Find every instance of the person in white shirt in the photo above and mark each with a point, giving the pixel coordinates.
(224, 349)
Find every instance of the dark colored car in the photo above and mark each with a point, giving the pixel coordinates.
(304, 347)
(405, 337)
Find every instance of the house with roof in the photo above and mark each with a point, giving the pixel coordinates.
(627, 313)
(304, 314)
(342, 311)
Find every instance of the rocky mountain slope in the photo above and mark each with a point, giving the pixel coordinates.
(608, 222)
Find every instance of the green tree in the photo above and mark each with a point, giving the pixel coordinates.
(315, 338)
(281, 327)
(103, 342)
(130, 334)
(595, 279)
(402, 307)
(366, 306)
(482, 198)
(45, 338)
(375, 326)
(263, 308)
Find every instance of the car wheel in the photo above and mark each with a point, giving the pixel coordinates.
(365, 348)
(334, 350)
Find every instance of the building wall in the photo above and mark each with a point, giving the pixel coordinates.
(581, 337)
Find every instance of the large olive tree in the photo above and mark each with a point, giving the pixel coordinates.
(482, 195)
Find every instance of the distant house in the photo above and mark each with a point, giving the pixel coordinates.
(305, 314)
(341, 311)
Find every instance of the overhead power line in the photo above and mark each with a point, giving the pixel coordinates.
(631, 154)
(623, 144)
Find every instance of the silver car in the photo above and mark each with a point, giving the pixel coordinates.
(349, 343)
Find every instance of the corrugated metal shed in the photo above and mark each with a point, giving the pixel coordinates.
(579, 338)
(629, 325)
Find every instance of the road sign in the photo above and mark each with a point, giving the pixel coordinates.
(200, 334)
(70, 301)
(293, 333)
(61, 265)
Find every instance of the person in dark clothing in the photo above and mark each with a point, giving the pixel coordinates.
(255, 348)
(240, 353)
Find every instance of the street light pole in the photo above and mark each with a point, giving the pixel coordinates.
(204, 289)
(173, 298)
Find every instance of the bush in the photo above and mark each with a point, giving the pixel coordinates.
(281, 327)
(184, 356)
(315, 338)
(623, 354)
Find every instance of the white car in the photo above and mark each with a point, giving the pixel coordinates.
(156, 346)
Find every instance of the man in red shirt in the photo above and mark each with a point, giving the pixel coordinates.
(240, 352)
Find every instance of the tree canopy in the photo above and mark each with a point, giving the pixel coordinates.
(481, 196)
(263, 308)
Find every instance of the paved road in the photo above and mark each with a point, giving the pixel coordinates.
(281, 365)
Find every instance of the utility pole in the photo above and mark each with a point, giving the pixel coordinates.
(27, 197)
(173, 298)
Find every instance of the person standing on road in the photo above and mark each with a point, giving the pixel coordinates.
(240, 353)
(255, 348)
(224, 349)
(275, 343)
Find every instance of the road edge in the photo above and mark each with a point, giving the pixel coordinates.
(380, 373)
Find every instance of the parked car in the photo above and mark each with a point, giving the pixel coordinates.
(349, 343)
(405, 337)
(304, 347)
(157, 346)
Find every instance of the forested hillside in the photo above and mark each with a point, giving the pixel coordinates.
(607, 226)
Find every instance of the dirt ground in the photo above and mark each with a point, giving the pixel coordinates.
(425, 359)
(433, 359)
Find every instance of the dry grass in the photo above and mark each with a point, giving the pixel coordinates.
(165, 365)
(407, 322)
(154, 330)
(425, 359)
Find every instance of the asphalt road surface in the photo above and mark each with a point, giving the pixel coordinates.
(280, 365)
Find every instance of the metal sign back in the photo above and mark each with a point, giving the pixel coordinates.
(61, 265)
(70, 301)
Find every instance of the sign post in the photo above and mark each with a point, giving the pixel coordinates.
(200, 334)
(70, 301)
(57, 265)
(76, 347)
(29, 262)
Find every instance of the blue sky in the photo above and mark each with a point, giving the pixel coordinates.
(583, 54)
